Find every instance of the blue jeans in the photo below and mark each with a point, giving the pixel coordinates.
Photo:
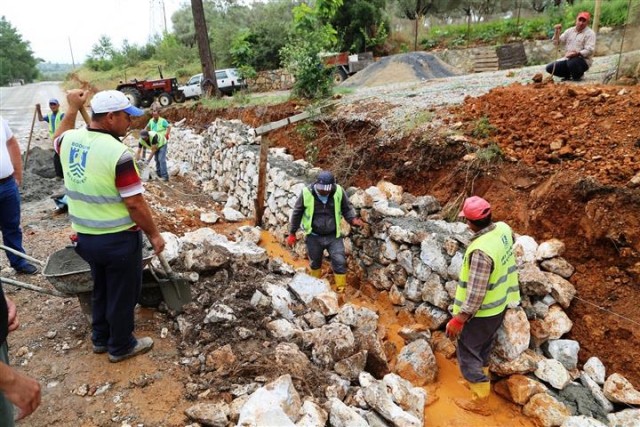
(116, 268)
(161, 162)
(10, 222)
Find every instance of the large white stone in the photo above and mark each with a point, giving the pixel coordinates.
(552, 372)
(619, 390)
(277, 403)
(513, 336)
(595, 369)
(417, 363)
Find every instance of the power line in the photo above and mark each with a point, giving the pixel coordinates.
(608, 311)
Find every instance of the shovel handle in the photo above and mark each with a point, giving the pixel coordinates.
(169, 271)
(21, 255)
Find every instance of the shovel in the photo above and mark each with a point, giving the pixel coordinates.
(177, 293)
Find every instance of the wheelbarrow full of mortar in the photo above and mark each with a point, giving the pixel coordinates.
(70, 276)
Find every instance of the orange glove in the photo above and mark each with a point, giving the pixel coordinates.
(357, 222)
(291, 239)
(454, 327)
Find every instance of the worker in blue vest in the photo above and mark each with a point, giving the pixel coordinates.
(488, 284)
(319, 211)
(53, 119)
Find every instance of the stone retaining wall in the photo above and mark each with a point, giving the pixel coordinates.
(271, 80)
(538, 51)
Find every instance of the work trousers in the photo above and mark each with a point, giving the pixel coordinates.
(116, 268)
(10, 222)
(573, 68)
(316, 245)
(161, 162)
(7, 412)
(474, 346)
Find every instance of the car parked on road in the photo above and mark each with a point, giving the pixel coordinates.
(228, 79)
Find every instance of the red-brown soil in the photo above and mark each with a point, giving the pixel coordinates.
(566, 154)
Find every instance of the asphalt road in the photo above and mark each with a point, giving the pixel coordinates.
(17, 106)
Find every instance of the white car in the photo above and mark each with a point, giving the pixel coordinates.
(228, 80)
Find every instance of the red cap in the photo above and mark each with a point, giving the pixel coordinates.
(585, 15)
(475, 208)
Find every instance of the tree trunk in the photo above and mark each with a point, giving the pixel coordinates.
(209, 84)
(415, 37)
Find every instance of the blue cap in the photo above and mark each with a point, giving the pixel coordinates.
(325, 181)
(53, 101)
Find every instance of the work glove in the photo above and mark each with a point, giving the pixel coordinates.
(454, 327)
(291, 239)
(357, 222)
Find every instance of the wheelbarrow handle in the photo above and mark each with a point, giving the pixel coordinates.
(34, 288)
(25, 256)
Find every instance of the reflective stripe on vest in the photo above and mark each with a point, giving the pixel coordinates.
(162, 141)
(89, 162)
(54, 122)
(309, 205)
(503, 287)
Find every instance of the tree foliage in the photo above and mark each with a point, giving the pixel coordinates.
(16, 56)
(361, 24)
(312, 35)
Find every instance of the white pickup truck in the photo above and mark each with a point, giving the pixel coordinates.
(228, 80)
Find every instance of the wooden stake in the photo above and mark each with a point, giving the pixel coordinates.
(26, 153)
(262, 180)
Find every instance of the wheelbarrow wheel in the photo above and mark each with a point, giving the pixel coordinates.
(85, 304)
(150, 297)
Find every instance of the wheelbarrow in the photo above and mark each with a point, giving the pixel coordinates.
(70, 276)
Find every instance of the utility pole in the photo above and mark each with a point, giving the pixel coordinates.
(209, 84)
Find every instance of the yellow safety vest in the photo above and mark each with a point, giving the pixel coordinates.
(162, 141)
(89, 162)
(309, 205)
(160, 126)
(503, 287)
(54, 122)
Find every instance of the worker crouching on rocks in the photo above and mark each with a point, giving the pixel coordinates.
(157, 143)
(488, 285)
(319, 210)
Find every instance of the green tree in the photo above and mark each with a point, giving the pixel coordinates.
(16, 56)
(360, 25)
(312, 35)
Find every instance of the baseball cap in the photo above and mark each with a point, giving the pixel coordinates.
(53, 101)
(325, 181)
(475, 208)
(144, 133)
(585, 15)
(109, 101)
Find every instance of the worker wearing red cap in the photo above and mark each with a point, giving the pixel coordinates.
(319, 211)
(488, 285)
(579, 44)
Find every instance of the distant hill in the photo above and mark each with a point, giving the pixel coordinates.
(53, 71)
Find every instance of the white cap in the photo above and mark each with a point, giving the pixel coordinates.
(109, 101)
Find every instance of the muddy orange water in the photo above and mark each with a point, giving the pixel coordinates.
(440, 411)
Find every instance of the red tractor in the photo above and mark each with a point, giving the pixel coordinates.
(144, 92)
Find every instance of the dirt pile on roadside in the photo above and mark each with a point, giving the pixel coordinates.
(402, 68)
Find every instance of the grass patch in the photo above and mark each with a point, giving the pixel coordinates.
(416, 120)
(490, 154)
(483, 128)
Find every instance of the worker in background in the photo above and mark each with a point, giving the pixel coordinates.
(488, 285)
(54, 118)
(157, 124)
(158, 146)
(108, 212)
(580, 44)
(319, 211)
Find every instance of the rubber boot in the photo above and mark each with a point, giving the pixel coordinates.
(479, 402)
(341, 282)
(485, 371)
(315, 273)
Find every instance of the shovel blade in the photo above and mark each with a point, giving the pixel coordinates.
(176, 292)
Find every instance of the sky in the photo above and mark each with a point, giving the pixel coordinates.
(51, 26)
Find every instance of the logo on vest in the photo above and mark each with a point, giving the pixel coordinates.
(78, 162)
